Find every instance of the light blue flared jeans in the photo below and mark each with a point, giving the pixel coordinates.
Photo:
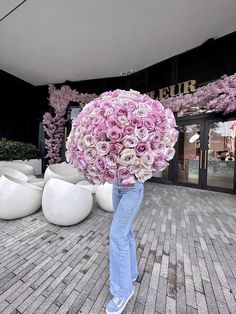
(123, 260)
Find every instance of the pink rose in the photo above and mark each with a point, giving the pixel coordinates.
(122, 111)
(155, 118)
(82, 162)
(92, 170)
(122, 120)
(173, 135)
(141, 112)
(97, 180)
(170, 118)
(95, 112)
(97, 120)
(101, 163)
(143, 175)
(100, 132)
(155, 137)
(136, 121)
(114, 134)
(127, 157)
(123, 172)
(142, 148)
(90, 154)
(149, 124)
(81, 145)
(130, 141)
(135, 167)
(167, 141)
(142, 134)
(159, 160)
(110, 175)
(112, 121)
(132, 105)
(115, 148)
(163, 166)
(147, 159)
(161, 129)
(129, 130)
(108, 112)
(169, 153)
(111, 160)
(128, 181)
(160, 147)
(89, 140)
(102, 148)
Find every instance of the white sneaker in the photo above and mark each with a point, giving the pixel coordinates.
(117, 304)
(134, 279)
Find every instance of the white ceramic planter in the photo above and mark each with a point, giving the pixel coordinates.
(35, 163)
(13, 173)
(18, 198)
(37, 181)
(20, 166)
(63, 171)
(87, 185)
(104, 196)
(65, 203)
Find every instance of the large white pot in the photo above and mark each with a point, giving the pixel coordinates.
(35, 163)
(87, 185)
(65, 203)
(37, 181)
(104, 196)
(18, 198)
(20, 166)
(63, 171)
(13, 173)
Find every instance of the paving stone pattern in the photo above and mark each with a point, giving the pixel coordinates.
(186, 246)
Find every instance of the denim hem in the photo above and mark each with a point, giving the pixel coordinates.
(120, 294)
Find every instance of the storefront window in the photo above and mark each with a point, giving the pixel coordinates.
(221, 154)
(189, 152)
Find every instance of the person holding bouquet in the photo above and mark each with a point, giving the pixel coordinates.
(122, 137)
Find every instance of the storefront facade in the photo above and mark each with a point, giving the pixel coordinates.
(205, 151)
(205, 154)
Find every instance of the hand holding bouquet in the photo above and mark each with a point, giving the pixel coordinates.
(122, 134)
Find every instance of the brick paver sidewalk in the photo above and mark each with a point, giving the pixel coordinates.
(186, 244)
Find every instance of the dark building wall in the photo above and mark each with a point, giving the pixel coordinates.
(16, 107)
(205, 63)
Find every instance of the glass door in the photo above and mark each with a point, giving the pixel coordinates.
(189, 154)
(205, 154)
(220, 155)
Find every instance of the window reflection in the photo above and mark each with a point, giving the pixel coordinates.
(221, 154)
(189, 152)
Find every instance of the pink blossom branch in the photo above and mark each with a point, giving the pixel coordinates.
(54, 126)
(219, 96)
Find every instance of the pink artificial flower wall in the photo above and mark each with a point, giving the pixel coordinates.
(219, 96)
(54, 125)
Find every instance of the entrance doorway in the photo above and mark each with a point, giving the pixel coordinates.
(205, 154)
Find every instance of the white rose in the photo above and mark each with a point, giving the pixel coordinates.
(127, 157)
(143, 174)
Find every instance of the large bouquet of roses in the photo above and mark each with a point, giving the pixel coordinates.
(122, 134)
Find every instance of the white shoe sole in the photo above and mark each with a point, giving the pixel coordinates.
(123, 307)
